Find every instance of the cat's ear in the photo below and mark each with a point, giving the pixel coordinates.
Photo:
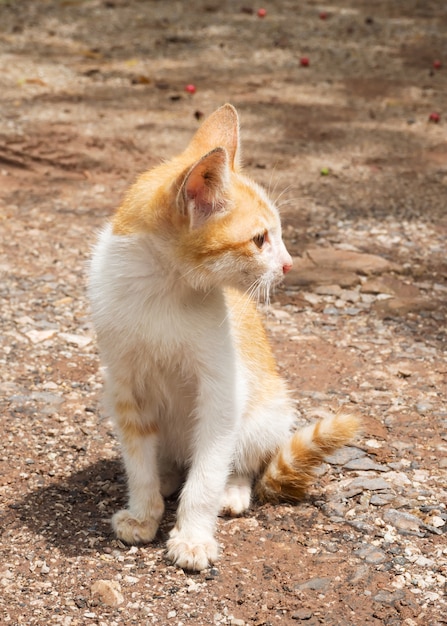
(220, 129)
(203, 191)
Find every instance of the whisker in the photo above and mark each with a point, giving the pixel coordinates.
(271, 191)
(284, 191)
(246, 297)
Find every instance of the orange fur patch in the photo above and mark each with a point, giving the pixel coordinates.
(288, 481)
(131, 424)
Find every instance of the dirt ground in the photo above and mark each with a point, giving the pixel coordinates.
(92, 93)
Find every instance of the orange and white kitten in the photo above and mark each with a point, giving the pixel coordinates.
(190, 378)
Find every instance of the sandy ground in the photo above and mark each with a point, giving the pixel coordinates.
(92, 93)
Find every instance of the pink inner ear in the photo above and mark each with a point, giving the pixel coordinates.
(204, 187)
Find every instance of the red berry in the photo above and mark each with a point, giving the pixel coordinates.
(323, 15)
(262, 12)
(190, 88)
(304, 61)
(437, 64)
(434, 117)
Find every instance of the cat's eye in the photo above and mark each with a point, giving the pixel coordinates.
(259, 240)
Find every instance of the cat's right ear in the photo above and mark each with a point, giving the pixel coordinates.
(220, 129)
(203, 192)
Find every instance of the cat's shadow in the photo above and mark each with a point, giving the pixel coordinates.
(74, 513)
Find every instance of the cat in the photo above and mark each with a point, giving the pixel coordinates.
(190, 378)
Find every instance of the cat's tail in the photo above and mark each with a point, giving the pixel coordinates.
(291, 470)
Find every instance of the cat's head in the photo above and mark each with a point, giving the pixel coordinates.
(229, 231)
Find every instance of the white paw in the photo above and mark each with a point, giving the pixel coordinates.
(236, 497)
(134, 531)
(190, 553)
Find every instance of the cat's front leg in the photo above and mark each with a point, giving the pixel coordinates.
(192, 544)
(139, 440)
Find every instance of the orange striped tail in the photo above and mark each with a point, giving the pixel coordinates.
(292, 469)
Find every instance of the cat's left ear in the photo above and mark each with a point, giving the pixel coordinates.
(203, 192)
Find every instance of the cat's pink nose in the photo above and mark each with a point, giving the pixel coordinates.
(287, 267)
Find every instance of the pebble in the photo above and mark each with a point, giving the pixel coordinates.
(331, 310)
(329, 290)
(37, 336)
(344, 455)
(108, 591)
(78, 340)
(380, 499)
(302, 614)
(406, 523)
(389, 597)
(361, 573)
(365, 463)
(316, 584)
(424, 407)
(372, 555)
(369, 484)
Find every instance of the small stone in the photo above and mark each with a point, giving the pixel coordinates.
(131, 580)
(302, 614)
(372, 555)
(380, 499)
(331, 310)
(437, 521)
(171, 614)
(349, 295)
(235, 621)
(406, 523)
(345, 455)
(360, 574)
(365, 464)
(423, 407)
(329, 290)
(37, 336)
(108, 591)
(388, 597)
(77, 340)
(280, 314)
(369, 484)
(316, 584)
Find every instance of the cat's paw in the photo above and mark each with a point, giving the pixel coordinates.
(134, 531)
(236, 498)
(189, 552)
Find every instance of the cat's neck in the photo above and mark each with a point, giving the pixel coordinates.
(163, 276)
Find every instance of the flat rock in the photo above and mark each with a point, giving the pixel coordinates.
(334, 268)
(369, 484)
(316, 584)
(37, 336)
(305, 274)
(77, 340)
(380, 499)
(365, 463)
(345, 455)
(402, 306)
(404, 522)
(389, 597)
(372, 555)
(349, 261)
(391, 286)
